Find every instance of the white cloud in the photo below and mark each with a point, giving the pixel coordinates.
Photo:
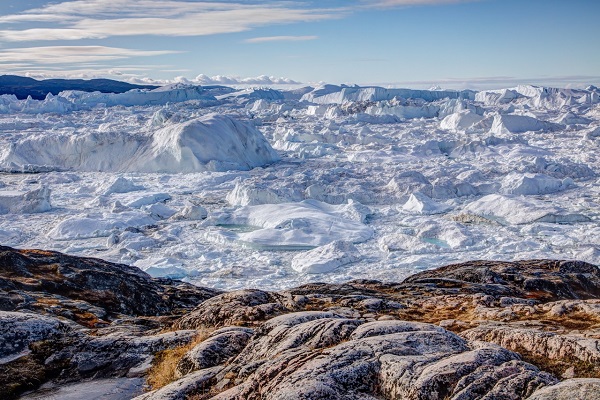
(66, 11)
(399, 3)
(47, 34)
(280, 39)
(229, 80)
(72, 54)
(95, 19)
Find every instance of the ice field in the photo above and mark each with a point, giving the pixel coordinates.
(272, 188)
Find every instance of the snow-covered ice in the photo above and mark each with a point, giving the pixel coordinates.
(209, 143)
(517, 210)
(325, 258)
(272, 188)
(421, 204)
(30, 201)
(304, 224)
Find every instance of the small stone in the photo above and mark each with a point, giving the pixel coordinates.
(569, 373)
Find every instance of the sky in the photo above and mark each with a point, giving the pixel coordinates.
(474, 44)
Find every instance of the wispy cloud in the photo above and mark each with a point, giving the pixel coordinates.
(74, 20)
(399, 3)
(95, 19)
(75, 9)
(47, 34)
(280, 39)
(73, 54)
(82, 73)
(133, 74)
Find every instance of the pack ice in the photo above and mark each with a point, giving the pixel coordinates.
(272, 188)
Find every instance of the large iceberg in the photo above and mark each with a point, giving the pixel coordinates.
(460, 121)
(325, 258)
(538, 97)
(72, 100)
(509, 123)
(532, 184)
(210, 143)
(330, 94)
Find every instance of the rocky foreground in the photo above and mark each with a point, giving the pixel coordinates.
(83, 328)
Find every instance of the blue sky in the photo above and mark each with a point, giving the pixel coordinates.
(412, 43)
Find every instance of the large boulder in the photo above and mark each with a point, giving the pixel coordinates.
(234, 308)
(222, 345)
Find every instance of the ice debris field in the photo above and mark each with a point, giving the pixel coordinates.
(271, 188)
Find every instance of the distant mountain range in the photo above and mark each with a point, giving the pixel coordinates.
(22, 86)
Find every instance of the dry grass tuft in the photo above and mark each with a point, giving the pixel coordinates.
(37, 252)
(164, 366)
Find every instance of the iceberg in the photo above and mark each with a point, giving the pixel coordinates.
(302, 225)
(210, 143)
(325, 258)
(509, 123)
(28, 202)
(422, 204)
(330, 94)
(517, 210)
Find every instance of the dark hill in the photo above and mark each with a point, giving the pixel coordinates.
(22, 86)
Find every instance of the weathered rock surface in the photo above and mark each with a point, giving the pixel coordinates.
(414, 362)
(49, 300)
(180, 390)
(234, 308)
(217, 349)
(538, 279)
(98, 389)
(112, 355)
(547, 344)
(478, 330)
(86, 289)
(581, 389)
(18, 330)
